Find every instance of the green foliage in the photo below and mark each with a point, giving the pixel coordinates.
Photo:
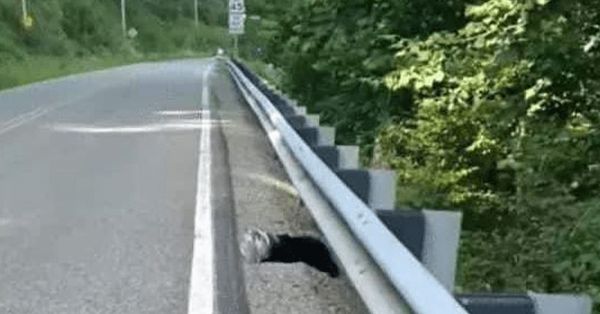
(38, 68)
(85, 24)
(82, 28)
(495, 112)
(506, 128)
(76, 35)
(32, 69)
(334, 53)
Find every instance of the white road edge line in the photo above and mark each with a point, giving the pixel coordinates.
(201, 298)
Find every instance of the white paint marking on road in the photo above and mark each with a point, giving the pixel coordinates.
(174, 126)
(128, 72)
(22, 119)
(272, 182)
(178, 112)
(201, 298)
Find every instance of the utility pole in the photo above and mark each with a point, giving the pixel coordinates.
(123, 18)
(24, 8)
(196, 12)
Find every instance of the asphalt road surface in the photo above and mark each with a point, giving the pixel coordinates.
(122, 191)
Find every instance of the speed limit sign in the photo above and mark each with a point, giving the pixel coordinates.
(237, 17)
(236, 7)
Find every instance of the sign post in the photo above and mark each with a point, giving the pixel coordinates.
(24, 9)
(124, 18)
(196, 22)
(26, 19)
(237, 18)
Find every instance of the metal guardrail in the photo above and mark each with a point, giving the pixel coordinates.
(419, 289)
(371, 284)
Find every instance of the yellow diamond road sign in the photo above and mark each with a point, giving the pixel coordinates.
(27, 22)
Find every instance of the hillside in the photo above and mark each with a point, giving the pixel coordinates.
(74, 35)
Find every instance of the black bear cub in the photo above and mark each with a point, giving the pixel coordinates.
(258, 246)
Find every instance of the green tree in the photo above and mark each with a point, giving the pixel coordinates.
(491, 108)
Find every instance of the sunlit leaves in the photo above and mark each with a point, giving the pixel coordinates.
(498, 117)
(507, 108)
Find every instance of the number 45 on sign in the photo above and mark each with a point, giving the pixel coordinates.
(236, 6)
(237, 17)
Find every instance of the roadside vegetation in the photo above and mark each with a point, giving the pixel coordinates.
(490, 107)
(69, 36)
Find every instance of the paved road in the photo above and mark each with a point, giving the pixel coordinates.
(102, 205)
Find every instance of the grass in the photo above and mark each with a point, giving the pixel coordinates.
(39, 68)
(266, 71)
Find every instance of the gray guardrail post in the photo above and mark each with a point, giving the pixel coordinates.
(561, 303)
(339, 157)
(531, 303)
(440, 248)
(375, 187)
(431, 236)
